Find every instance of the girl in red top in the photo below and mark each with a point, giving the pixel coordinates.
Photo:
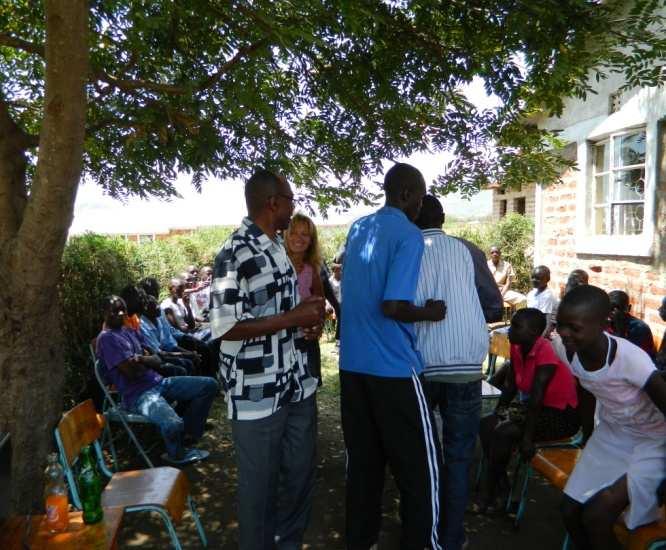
(545, 409)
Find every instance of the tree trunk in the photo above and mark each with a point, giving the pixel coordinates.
(31, 246)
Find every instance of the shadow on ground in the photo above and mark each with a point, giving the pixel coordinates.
(213, 487)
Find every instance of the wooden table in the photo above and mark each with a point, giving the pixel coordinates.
(15, 533)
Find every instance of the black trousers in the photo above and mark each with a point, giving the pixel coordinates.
(386, 421)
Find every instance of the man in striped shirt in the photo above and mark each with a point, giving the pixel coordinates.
(453, 351)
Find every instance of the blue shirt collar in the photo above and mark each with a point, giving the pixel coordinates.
(392, 211)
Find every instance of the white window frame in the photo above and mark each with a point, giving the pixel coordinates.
(610, 172)
(640, 245)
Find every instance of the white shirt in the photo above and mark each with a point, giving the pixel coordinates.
(178, 309)
(458, 344)
(618, 388)
(545, 302)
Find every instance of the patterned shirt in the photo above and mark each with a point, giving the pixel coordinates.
(253, 278)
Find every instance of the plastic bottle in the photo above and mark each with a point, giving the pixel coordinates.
(90, 488)
(55, 496)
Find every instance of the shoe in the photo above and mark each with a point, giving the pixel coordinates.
(189, 457)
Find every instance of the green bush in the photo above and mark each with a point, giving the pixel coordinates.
(94, 266)
(513, 234)
(331, 238)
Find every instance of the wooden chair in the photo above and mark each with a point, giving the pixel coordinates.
(164, 490)
(556, 466)
(499, 347)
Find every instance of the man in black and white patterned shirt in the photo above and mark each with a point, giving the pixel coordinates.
(263, 364)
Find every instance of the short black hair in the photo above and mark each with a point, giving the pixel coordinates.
(261, 185)
(542, 269)
(592, 299)
(401, 176)
(108, 301)
(579, 274)
(618, 297)
(532, 317)
(150, 286)
(431, 214)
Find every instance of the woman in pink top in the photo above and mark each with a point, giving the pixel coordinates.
(546, 408)
(303, 249)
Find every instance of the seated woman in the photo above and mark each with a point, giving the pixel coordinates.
(546, 405)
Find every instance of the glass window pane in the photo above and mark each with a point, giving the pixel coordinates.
(629, 185)
(601, 189)
(629, 149)
(602, 158)
(599, 227)
(627, 219)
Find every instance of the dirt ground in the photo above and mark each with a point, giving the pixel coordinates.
(213, 487)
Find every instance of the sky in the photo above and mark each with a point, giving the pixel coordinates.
(222, 203)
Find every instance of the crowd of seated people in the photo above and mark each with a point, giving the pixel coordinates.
(583, 362)
(155, 356)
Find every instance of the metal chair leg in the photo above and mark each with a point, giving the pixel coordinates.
(175, 541)
(197, 521)
(138, 446)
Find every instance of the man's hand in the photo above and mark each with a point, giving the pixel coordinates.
(436, 309)
(309, 313)
(313, 333)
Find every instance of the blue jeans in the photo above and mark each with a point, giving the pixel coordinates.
(276, 459)
(460, 410)
(195, 396)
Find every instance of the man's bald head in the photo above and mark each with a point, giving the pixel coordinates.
(405, 188)
(402, 177)
(259, 188)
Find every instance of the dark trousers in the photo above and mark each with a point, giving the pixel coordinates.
(276, 458)
(460, 409)
(387, 421)
(204, 349)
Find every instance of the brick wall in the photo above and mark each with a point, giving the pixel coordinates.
(511, 197)
(644, 279)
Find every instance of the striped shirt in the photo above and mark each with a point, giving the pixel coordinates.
(453, 349)
(252, 278)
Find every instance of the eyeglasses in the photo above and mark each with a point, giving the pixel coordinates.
(290, 198)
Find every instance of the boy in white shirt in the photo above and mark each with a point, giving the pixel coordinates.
(541, 297)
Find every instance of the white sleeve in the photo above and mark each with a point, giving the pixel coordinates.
(637, 365)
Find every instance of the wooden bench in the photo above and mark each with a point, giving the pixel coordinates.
(556, 466)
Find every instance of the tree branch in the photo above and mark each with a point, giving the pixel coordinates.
(138, 85)
(20, 44)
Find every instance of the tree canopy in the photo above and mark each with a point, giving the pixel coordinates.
(323, 90)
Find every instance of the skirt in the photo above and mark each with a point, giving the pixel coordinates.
(552, 424)
(612, 452)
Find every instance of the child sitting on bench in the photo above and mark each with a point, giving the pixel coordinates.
(544, 411)
(624, 461)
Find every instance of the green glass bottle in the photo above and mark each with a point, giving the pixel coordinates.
(90, 488)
